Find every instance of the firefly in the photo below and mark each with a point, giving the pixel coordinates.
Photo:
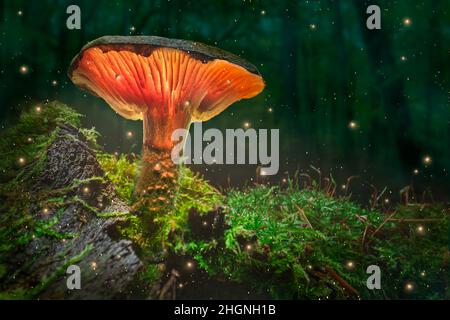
(21, 160)
(38, 109)
(420, 230)
(189, 264)
(409, 287)
(427, 160)
(248, 247)
(350, 265)
(129, 134)
(54, 83)
(24, 69)
(93, 265)
(416, 171)
(247, 124)
(312, 26)
(407, 21)
(403, 58)
(352, 125)
(85, 189)
(263, 12)
(20, 13)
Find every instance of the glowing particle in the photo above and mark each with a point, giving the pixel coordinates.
(263, 12)
(247, 124)
(24, 69)
(93, 265)
(54, 83)
(353, 125)
(427, 160)
(129, 134)
(38, 109)
(312, 26)
(189, 265)
(407, 21)
(409, 287)
(20, 13)
(416, 171)
(420, 229)
(403, 58)
(350, 265)
(21, 160)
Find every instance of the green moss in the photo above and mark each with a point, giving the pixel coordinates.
(150, 274)
(269, 244)
(26, 293)
(279, 241)
(121, 171)
(29, 138)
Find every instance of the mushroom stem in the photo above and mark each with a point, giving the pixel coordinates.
(159, 175)
(158, 178)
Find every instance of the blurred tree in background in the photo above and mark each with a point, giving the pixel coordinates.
(347, 99)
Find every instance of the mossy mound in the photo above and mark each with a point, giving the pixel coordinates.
(261, 242)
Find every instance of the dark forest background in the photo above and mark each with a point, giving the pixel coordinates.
(323, 70)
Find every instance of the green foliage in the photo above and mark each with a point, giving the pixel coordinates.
(23, 293)
(270, 246)
(29, 138)
(280, 241)
(121, 171)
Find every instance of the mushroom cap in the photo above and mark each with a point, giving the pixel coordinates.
(136, 73)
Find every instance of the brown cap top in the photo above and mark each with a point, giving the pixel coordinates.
(137, 73)
(144, 45)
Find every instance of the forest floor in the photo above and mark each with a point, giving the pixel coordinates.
(65, 201)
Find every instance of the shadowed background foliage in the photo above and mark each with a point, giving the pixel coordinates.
(323, 70)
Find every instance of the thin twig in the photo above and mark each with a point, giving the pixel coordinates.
(384, 222)
(303, 215)
(364, 237)
(342, 282)
(413, 220)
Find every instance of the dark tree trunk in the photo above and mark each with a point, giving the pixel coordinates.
(379, 48)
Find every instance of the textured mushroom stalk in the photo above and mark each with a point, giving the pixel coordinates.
(158, 169)
(158, 181)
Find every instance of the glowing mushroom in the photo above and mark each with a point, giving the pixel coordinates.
(167, 83)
